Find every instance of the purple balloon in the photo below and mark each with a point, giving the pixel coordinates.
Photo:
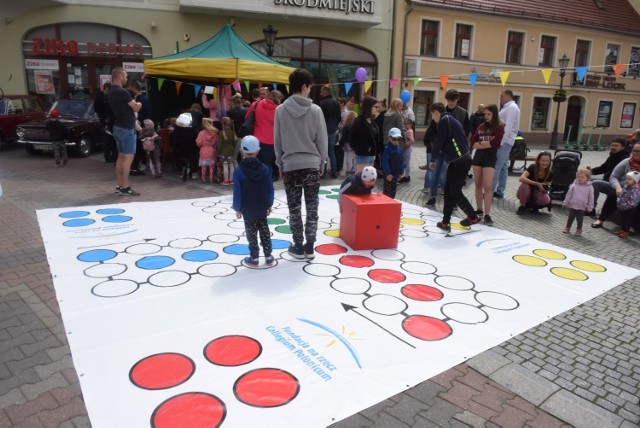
(361, 74)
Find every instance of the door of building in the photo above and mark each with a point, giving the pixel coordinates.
(574, 116)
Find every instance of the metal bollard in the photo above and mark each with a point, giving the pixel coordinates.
(566, 143)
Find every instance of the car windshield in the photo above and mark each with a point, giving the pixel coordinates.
(74, 109)
(6, 107)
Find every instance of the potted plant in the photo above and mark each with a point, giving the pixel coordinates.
(559, 95)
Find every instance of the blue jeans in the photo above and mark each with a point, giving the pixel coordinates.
(502, 169)
(438, 175)
(332, 136)
(125, 140)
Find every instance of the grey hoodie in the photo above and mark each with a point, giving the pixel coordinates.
(300, 135)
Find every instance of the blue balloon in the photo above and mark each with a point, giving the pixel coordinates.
(405, 96)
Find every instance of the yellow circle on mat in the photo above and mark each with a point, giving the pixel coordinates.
(530, 261)
(550, 254)
(458, 226)
(588, 266)
(413, 221)
(571, 274)
(335, 233)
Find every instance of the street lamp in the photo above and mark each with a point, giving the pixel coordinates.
(559, 97)
(270, 34)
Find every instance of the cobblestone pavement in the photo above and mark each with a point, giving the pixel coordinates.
(581, 368)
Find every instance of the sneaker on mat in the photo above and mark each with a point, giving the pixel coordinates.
(308, 250)
(430, 202)
(488, 220)
(118, 188)
(297, 251)
(444, 226)
(469, 221)
(251, 261)
(269, 260)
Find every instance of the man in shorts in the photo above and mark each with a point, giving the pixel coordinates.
(124, 108)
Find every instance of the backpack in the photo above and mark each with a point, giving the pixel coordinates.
(519, 149)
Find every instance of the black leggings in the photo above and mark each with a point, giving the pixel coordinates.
(577, 215)
(456, 175)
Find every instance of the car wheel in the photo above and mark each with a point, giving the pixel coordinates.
(32, 150)
(85, 147)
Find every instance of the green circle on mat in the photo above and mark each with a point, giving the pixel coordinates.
(335, 189)
(274, 220)
(283, 229)
(332, 197)
(324, 192)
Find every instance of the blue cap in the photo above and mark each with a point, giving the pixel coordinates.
(250, 144)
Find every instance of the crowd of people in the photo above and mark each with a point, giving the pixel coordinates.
(301, 142)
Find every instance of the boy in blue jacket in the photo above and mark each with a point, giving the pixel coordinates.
(252, 199)
(392, 163)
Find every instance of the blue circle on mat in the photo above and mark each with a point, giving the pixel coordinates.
(237, 249)
(78, 222)
(200, 255)
(110, 211)
(116, 219)
(155, 262)
(74, 214)
(97, 255)
(278, 244)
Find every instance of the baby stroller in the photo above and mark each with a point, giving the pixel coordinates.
(565, 166)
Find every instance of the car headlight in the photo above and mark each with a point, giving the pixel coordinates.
(20, 132)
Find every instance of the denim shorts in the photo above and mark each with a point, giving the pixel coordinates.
(125, 140)
(364, 159)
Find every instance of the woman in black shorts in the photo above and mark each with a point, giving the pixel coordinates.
(486, 140)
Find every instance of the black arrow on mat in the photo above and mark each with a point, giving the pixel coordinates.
(348, 308)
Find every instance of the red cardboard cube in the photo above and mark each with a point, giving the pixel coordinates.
(370, 222)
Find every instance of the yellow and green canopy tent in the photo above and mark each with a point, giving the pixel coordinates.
(224, 57)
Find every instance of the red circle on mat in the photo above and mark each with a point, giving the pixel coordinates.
(266, 387)
(192, 409)
(232, 351)
(386, 275)
(330, 249)
(161, 371)
(356, 261)
(426, 328)
(423, 293)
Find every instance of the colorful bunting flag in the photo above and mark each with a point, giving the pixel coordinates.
(392, 83)
(275, 86)
(347, 87)
(582, 72)
(236, 85)
(178, 85)
(246, 84)
(196, 90)
(617, 69)
(473, 78)
(367, 85)
(504, 76)
(160, 83)
(416, 81)
(546, 74)
(288, 92)
(443, 81)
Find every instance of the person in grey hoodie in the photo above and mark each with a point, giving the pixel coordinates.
(301, 144)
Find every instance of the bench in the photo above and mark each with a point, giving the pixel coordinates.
(512, 161)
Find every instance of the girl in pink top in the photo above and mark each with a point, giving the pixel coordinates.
(214, 109)
(207, 141)
(579, 199)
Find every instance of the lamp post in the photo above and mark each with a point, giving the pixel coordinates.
(559, 97)
(270, 34)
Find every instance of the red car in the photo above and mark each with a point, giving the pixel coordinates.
(15, 110)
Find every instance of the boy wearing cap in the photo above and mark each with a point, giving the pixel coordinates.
(252, 199)
(59, 136)
(359, 184)
(628, 202)
(392, 163)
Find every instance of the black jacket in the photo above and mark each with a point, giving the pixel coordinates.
(607, 167)
(331, 111)
(57, 130)
(364, 137)
(451, 140)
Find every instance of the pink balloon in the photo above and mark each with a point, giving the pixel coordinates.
(361, 74)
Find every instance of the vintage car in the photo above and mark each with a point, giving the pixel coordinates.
(78, 116)
(16, 110)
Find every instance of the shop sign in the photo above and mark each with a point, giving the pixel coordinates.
(345, 6)
(133, 67)
(41, 64)
(606, 82)
(43, 46)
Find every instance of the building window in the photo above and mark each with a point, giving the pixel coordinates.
(604, 114)
(514, 47)
(628, 115)
(540, 113)
(634, 62)
(429, 42)
(547, 51)
(463, 41)
(582, 53)
(611, 57)
(422, 101)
